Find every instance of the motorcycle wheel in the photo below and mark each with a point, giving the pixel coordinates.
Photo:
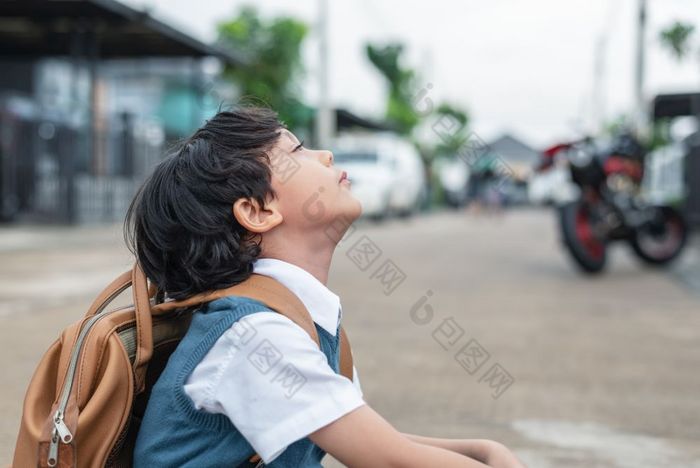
(589, 252)
(661, 242)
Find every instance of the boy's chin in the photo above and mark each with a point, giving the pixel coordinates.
(354, 209)
(340, 223)
(346, 214)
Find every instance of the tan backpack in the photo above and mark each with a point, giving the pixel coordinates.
(85, 402)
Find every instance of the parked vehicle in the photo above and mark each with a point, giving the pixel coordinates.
(386, 171)
(608, 205)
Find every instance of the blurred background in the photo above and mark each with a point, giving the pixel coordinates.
(526, 267)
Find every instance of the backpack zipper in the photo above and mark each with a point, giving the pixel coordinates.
(61, 432)
(53, 449)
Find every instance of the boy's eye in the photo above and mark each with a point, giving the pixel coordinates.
(298, 147)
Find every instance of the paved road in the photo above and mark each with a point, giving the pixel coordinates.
(487, 331)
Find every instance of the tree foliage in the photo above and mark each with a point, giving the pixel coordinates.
(273, 52)
(451, 143)
(676, 38)
(399, 109)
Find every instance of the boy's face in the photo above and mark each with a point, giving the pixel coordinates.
(311, 192)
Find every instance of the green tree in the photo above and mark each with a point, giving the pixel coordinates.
(676, 38)
(399, 109)
(274, 64)
(450, 144)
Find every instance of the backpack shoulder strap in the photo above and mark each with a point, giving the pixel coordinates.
(346, 365)
(277, 297)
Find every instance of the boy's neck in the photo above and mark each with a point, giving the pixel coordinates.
(314, 257)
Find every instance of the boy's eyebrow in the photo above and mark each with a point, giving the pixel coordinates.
(290, 136)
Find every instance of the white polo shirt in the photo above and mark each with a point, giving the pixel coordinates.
(271, 413)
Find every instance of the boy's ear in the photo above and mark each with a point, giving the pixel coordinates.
(256, 218)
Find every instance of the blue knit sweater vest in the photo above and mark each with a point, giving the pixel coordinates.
(174, 433)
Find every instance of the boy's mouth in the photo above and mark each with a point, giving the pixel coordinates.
(343, 176)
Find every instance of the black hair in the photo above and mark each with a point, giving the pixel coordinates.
(180, 225)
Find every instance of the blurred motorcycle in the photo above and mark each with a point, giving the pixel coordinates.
(609, 206)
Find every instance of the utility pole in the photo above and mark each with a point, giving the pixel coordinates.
(640, 117)
(598, 110)
(325, 116)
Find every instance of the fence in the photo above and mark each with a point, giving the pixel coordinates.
(55, 171)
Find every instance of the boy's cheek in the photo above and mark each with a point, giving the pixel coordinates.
(309, 195)
(296, 201)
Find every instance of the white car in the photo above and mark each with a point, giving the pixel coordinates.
(385, 171)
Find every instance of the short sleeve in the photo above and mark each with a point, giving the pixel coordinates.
(273, 382)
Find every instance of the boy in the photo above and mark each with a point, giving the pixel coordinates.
(223, 206)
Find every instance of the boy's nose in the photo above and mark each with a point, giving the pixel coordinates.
(327, 157)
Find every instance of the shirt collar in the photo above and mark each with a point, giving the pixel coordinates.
(321, 302)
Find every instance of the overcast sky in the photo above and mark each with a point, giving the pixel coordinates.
(524, 67)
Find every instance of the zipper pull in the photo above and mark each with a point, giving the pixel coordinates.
(61, 428)
(53, 450)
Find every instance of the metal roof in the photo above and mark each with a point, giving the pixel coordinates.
(39, 28)
(511, 148)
